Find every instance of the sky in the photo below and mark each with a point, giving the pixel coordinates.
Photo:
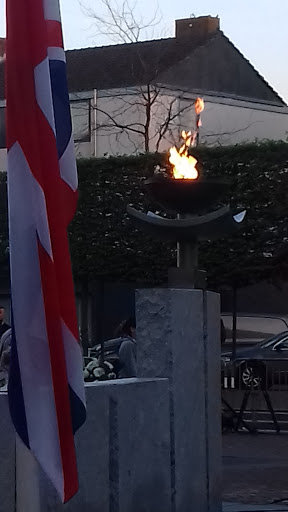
(258, 28)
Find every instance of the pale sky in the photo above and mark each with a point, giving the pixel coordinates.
(258, 28)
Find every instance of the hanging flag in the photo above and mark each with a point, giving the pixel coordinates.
(46, 392)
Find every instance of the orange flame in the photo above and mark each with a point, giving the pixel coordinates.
(183, 164)
(199, 105)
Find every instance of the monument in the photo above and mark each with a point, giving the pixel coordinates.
(151, 444)
(178, 328)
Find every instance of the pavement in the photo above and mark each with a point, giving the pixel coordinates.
(255, 472)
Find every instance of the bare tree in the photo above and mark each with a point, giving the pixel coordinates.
(146, 114)
(119, 21)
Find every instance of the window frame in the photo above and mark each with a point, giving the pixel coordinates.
(86, 137)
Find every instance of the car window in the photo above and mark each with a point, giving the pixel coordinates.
(253, 327)
(281, 345)
(274, 340)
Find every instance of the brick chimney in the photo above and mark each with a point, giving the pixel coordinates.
(196, 27)
(2, 46)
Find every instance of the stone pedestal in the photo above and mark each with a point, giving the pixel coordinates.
(123, 454)
(7, 458)
(178, 336)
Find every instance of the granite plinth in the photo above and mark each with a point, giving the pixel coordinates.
(178, 336)
(123, 454)
(7, 457)
(213, 400)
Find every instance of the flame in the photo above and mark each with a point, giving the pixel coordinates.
(183, 164)
(199, 105)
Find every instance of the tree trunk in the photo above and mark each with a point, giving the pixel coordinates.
(148, 121)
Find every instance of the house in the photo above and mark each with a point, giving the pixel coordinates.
(134, 97)
(115, 90)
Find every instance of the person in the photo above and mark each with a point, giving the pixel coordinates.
(5, 351)
(3, 326)
(127, 349)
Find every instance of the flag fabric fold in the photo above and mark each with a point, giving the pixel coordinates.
(46, 391)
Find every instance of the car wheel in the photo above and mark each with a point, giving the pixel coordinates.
(251, 377)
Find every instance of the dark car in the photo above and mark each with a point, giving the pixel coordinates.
(253, 328)
(262, 365)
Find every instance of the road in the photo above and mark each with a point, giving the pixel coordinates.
(255, 468)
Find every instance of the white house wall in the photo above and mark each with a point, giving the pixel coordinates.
(230, 124)
(112, 114)
(224, 121)
(167, 107)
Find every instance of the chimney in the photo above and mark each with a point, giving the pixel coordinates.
(2, 47)
(196, 27)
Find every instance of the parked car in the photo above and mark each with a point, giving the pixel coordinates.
(252, 328)
(261, 365)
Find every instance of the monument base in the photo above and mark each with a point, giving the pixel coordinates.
(123, 454)
(178, 336)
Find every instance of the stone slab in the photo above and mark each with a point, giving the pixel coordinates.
(27, 479)
(212, 345)
(139, 445)
(144, 446)
(188, 388)
(92, 449)
(173, 334)
(123, 451)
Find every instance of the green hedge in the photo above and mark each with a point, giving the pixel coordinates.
(105, 244)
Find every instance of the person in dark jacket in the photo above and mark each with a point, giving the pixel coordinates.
(127, 350)
(5, 350)
(3, 326)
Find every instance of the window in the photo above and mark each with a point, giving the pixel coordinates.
(2, 128)
(281, 345)
(255, 328)
(81, 120)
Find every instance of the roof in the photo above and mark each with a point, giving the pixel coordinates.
(218, 67)
(124, 65)
(210, 65)
(121, 65)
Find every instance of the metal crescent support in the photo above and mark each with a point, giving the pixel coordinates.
(205, 227)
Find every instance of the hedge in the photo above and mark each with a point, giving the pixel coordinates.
(106, 245)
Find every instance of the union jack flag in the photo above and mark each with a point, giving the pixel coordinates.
(46, 392)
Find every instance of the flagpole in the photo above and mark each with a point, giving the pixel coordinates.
(27, 479)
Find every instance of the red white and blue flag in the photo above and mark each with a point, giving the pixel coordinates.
(46, 392)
